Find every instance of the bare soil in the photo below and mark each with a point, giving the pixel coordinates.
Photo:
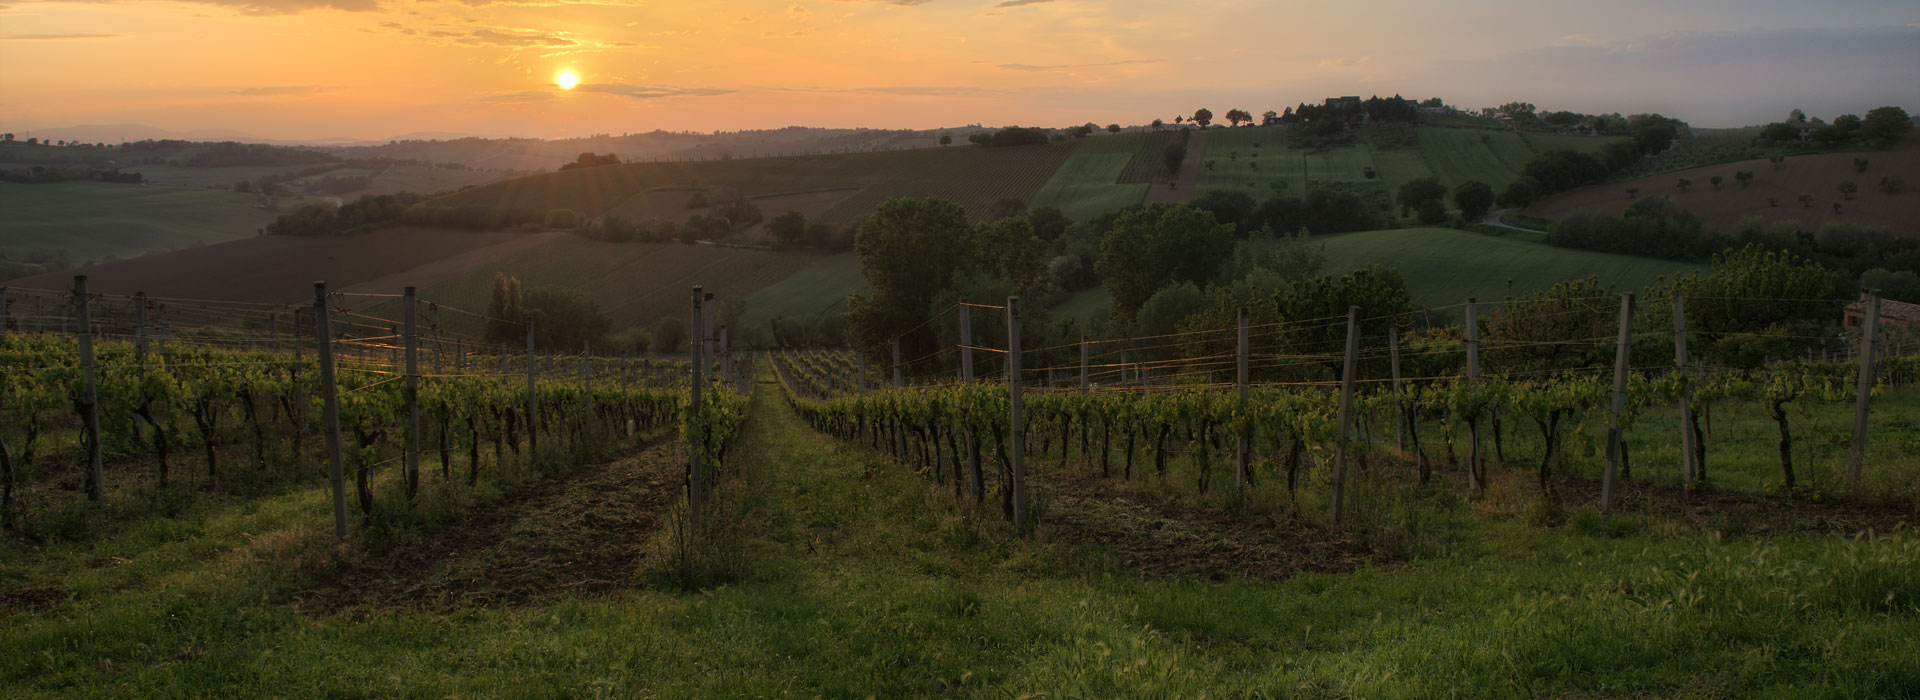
(1189, 175)
(1817, 175)
(580, 533)
(1161, 539)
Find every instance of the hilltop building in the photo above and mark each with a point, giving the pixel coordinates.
(1892, 313)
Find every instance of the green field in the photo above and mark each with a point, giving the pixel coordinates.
(1088, 183)
(819, 288)
(1444, 266)
(971, 176)
(99, 221)
(1458, 155)
(635, 283)
(1250, 159)
(853, 576)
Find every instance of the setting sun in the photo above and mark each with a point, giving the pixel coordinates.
(566, 80)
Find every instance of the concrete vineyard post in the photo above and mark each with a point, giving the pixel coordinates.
(533, 401)
(898, 378)
(139, 328)
(1863, 389)
(1399, 391)
(1084, 352)
(1475, 477)
(1338, 500)
(413, 393)
(5, 304)
(330, 409)
(1689, 465)
(1016, 434)
(1610, 480)
(966, 375)
(1243, 447)
(695, 475)
(90, 415)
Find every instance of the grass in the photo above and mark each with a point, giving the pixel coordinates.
(1458, 155)
(858, 580)
(819, 288)
(101, 221)
(971, 176)
(1088, 183)
(1444, 266)
(635, 283)
(1086, 306)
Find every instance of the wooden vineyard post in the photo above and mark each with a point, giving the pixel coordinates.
(898, 378)
(1863, 390)
(1243, 446)
(330, 411)
(1016, 434)
(707, 330)
(1399, 391)
(5, 305)
(966, 375)
(1476, 478)
(1610, 480)
(586, 375)
(1689, 465)
(413, 394)
(695, 475)
(139, 328)
(1085, 384)
(1338, 501)
(533, 401)
(90, 408)
(273, 341)
(726, 357)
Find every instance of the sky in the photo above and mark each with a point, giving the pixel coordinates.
(376, 69)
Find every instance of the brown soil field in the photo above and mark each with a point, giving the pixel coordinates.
(282, 269)
(1816, 175)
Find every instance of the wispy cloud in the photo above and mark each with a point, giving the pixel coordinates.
(1077, 66)
(647, 92)
(513, 37)
(1020, 3)
(60, 37)
(278, 90)
(911, 90)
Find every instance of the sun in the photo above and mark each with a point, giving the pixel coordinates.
(566, 80)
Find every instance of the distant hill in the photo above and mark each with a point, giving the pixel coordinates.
(548, 154)
(1817, 174)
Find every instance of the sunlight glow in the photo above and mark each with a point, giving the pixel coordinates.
(566, 80)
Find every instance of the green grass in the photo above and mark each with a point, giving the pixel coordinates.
(971, 176)
(1458, 155)
(1444, 266)
(858, 580)
(819, 288)
(1088, 183)
(97, 221)
(635, 283)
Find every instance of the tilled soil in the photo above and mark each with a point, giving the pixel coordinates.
(1165, 540)
(1743, 513)
(581, 533)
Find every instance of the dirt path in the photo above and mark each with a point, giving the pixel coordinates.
(1498, 218)
(1189, 175)
(578, 533)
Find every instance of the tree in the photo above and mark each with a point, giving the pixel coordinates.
(1157, 125)
(1780, 132)
(1886, 124)
(1235, 116)
(1847, 189)
(1633, 192)
(1806, 200)
(1860, 165)
(1432, 212)
(505, 321)
(1162, 313)
(1721, 309)
(1684, 184)
(1228, 207)
(1745, 177)
(1202, 116)
(1520, 193)
(789, 229)
(1420, 191)
(1270, 117)
(1113, 128)
(1174, 155)
(1006, 207)
(946, 139)
(910, 252)
(1049, 223)
(1151, 247)
(564, 318)
(1716, 180)
(243, 186)
(1796, 117)
(669, 333)
(1473, 198)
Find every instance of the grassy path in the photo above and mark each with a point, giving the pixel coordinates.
(855, 578)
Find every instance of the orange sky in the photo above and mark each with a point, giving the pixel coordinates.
(374, 68)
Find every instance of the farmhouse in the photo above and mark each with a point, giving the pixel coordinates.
(1892, 313)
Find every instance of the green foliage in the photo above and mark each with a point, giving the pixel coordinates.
(564, 318)
(1149, 248)
(1415, 193)
(1473, 198)
(669, 334)
(1886, 124)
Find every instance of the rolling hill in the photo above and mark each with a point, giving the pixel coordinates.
(1721, 208)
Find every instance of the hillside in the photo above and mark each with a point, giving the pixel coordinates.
(971, 176)
(1445, 266)
(1818, 175)
(95, 221)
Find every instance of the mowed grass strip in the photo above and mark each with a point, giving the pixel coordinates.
(1444, 266)
(98, 221)
(1088, 183)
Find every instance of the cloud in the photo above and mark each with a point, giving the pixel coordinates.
(799, 12)
(514, 37)
(910, 90)
(1021, 3)
(1077, 66)
(648, 92)
(901, 3)
(1332, 63)
(59, 37)
(278, 90)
